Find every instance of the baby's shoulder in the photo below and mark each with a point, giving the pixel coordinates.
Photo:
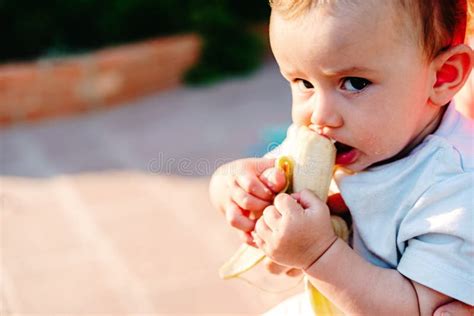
(454, 139)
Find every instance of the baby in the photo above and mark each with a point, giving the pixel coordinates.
(377, 77)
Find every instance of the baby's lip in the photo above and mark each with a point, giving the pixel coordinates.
(345, 154)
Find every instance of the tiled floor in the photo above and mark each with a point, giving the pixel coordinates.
(99, 215)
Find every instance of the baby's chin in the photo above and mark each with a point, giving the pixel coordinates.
(371, 162)
(352, 168)
(355, 167)
(353, 159)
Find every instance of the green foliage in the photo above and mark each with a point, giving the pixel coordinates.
(33, 28)
(229, 47)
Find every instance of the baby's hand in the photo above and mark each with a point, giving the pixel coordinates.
(336, 206)
(243, 188)
(278, 269)
(296, 230)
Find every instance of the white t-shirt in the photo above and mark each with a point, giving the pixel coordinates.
(416, 214)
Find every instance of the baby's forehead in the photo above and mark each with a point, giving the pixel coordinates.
(403, 13)
(394, 16)
(338, 37)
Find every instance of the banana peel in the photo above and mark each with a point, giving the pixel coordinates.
(244, 259)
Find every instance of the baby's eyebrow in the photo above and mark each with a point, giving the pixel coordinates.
(287, 73)
(350, 70)
(353, 70)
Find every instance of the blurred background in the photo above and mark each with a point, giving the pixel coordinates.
(113, 116)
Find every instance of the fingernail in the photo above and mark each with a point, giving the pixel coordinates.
(265, 174)
(272, 174)
(445, 313)
(269, 175)
(275, 179)
(267, 191)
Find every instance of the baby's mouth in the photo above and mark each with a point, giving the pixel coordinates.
(345, 154)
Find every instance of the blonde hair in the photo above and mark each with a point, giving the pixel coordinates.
(442, 23)
(291, 9)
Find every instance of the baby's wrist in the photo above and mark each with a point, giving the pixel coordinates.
(321, 253)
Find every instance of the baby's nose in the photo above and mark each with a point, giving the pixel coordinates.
(325, 114)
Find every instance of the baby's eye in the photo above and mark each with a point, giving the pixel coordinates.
(304, 84)
(354, 84)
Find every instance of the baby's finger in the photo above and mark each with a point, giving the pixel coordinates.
(455, 308)
(247, 238)
(258, 241)
(273, 267)
(274, 178)
(246, 200)
(236, 218)
(271, 217)
(294, 272)
(253, 185)
(296, 196)
(307, 199)
(262, 230)
(285, 203)
(263, 164)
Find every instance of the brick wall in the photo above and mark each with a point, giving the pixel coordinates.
(56, 87)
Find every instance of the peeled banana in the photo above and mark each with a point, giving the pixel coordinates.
(314, 156)
(310, 165)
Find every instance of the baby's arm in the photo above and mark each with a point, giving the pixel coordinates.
(296, 232)
(359, 287)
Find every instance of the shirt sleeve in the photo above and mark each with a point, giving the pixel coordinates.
(437, 238)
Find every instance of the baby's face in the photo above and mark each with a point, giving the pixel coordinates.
(356, 78)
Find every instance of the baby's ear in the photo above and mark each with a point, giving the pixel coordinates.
(452, 69)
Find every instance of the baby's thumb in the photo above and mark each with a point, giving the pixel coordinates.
(307, 199)
(454, 308)
(263, 164)
(274, 179)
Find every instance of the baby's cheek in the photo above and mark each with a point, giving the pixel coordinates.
(374, 144)
(299, 115)
(382, 152)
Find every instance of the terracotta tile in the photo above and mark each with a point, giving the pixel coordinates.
(154, 246)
